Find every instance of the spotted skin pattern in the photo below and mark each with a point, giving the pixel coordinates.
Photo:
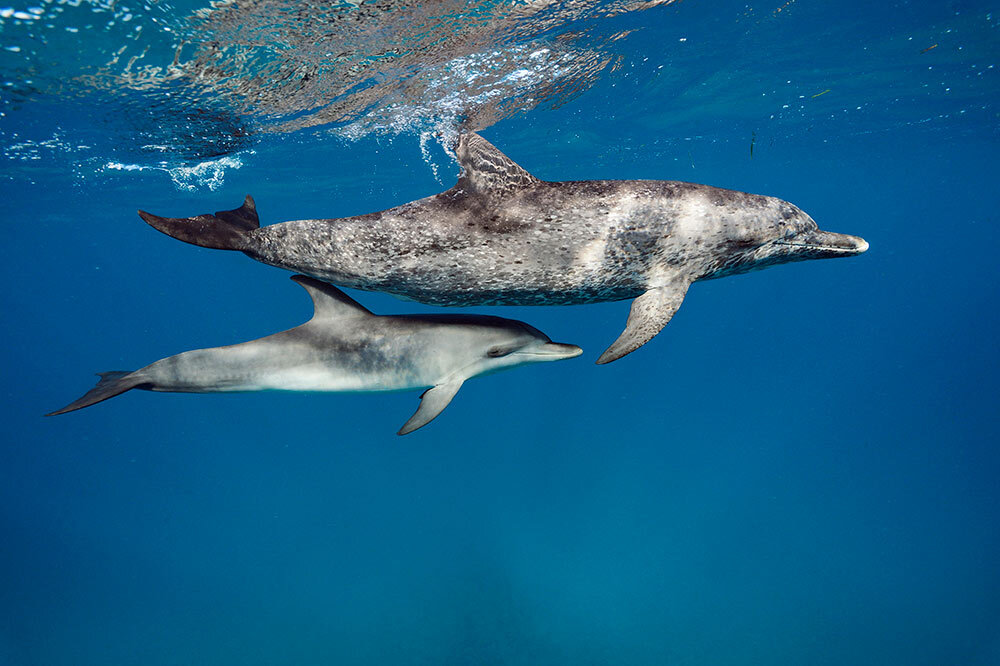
(500, 236)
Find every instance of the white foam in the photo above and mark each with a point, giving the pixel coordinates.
(210, 174)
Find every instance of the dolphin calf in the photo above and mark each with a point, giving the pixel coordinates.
(344, 347)
(500, 236)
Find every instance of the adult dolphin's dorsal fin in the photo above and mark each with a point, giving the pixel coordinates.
(328, 301)
(432, 402)
(485, 170)
(649, 314)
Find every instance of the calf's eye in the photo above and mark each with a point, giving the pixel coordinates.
(497, 352)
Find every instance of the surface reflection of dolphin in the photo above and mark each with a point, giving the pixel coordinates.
(284, 65)
(501, 236)
(344, 347)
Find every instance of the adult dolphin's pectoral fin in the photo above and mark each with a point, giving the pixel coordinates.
(649, 314)
(432, 402)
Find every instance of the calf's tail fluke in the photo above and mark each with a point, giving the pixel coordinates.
(225, 230)
(110, 385)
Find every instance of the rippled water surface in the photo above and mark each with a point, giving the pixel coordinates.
(800, 469)
(169, 82)
(191, 88)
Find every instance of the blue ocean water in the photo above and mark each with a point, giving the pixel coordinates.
(800, 469)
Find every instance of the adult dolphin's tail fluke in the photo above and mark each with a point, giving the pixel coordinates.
(226, 230)
(111, 384)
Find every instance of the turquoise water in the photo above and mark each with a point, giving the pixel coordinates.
(800, 469)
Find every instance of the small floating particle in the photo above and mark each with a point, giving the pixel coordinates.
(784, 6)
(821, 94)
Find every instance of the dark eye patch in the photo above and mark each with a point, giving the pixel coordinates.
(497, 352)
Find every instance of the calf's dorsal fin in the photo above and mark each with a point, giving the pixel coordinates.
(486, 170)
(328, 301)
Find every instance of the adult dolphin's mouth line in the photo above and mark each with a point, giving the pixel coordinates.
(826, 241)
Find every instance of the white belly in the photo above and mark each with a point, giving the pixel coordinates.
(324, 379)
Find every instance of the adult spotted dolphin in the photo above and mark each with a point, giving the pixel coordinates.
(500, 236)
(344, 347)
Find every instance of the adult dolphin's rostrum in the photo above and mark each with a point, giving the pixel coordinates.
(500, 236)
(344, 347)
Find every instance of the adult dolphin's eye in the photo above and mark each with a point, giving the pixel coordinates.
(497, 352)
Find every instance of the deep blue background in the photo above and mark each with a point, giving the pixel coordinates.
(800, 469)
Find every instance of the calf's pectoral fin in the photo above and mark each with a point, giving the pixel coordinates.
(432, 402)
(649, 314)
